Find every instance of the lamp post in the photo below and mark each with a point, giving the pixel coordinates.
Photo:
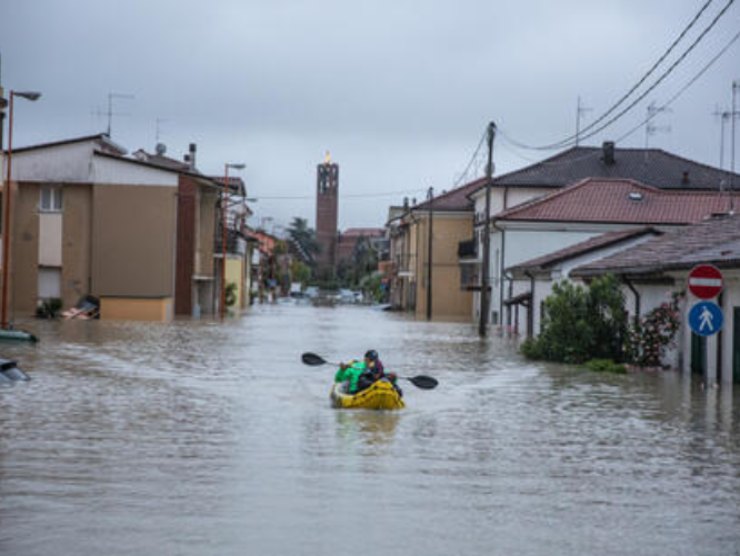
(32, 96)
(224, 203)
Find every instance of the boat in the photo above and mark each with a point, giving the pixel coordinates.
(381, 394)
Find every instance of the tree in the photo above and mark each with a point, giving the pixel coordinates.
(362, 263)
(304, 236)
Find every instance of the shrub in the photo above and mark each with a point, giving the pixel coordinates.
(581, 323)
(649, 338)
(606, 366)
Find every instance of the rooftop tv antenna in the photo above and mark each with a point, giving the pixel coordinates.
(650, 127)
(158, 129)
(110, 112)
(580, 110)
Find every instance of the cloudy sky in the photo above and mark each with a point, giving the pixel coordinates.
(399, 92)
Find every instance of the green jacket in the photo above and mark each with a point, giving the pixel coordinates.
(351, 373)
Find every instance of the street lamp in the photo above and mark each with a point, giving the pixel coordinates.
(224, 203)
(32, 96)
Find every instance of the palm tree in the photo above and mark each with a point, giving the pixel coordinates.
(304, 236)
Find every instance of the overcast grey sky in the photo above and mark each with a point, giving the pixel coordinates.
(399, 92)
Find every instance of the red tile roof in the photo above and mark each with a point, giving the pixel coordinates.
(618, 201)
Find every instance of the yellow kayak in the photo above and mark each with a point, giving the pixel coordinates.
(379, 395)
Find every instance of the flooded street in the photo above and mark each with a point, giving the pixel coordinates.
(202, 438)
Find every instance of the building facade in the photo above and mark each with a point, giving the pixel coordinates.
(87, 221)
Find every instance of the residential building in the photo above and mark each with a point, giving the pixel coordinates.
(348, 240)
(659, 267)
(427, 279)
(649, 167)
(582, 211)
(197, 197)
(87, 220)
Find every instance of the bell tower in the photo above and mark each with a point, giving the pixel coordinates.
(327, 189)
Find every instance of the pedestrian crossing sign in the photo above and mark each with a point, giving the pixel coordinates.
(706, 318)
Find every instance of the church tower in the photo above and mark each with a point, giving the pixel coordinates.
(327, 190)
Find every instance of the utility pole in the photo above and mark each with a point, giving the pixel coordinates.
(735, 87)
(430, 197)
(485, 294)
(580, 110)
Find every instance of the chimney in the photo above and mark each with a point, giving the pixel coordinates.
(685, 177)
(608, 153)
(191, 156)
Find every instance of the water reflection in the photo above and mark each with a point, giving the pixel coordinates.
(369, 428)
(211, 438)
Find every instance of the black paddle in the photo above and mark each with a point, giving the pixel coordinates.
(420, 381)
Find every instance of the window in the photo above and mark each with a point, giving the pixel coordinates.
(51, 199)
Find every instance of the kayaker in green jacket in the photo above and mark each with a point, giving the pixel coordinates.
(351, 372)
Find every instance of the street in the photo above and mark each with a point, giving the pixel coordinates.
(203, 437)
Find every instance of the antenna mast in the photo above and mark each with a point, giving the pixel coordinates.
(580, 110)
(110, 113)
(651, 128)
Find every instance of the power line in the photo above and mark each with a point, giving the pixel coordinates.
(462, 177)
(345, 196)
(569, 140)
(685, 87)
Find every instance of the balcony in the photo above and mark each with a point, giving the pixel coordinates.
(467, 249)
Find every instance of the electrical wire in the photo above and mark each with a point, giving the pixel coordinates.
(685, 87)
(464, 174)
(568, 141)
(347, 196)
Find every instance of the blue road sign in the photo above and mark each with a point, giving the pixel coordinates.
(706, 318)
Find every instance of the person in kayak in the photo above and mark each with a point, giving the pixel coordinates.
(350, 372)
(361, 374)
(377, 370)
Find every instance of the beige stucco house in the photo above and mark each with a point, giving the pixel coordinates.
(422, 260)
(87, 221)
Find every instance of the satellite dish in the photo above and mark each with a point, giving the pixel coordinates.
(160, 149)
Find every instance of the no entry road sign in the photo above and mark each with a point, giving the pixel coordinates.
(705, 281)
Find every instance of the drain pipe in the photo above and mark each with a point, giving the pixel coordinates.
(530, 310)
(637, 298)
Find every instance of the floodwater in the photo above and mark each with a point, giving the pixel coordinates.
(208, 438)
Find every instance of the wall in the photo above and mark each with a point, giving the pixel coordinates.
(126, 308)
(77, 243)
(133, 249)
(24, 253)
(449, 301)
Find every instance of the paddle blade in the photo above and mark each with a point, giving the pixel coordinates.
(422, 381)
(312, 359)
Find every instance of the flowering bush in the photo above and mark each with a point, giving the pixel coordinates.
(650, 337)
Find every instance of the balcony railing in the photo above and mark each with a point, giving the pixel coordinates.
(235, 243)
(470, 276)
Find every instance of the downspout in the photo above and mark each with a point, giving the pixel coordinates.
(501, 272)
(530, 311)
(637, 298)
